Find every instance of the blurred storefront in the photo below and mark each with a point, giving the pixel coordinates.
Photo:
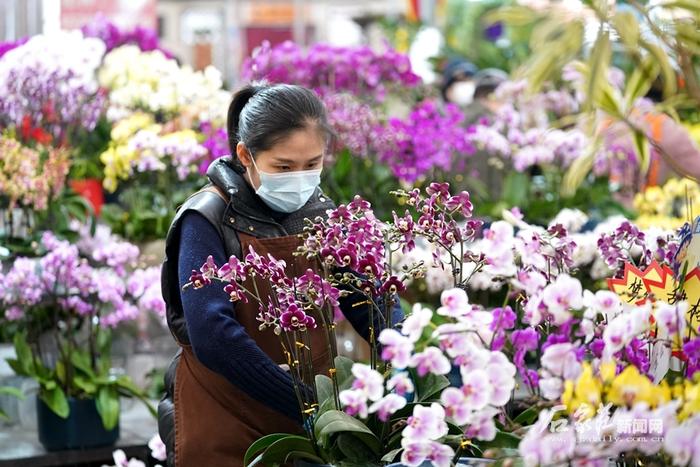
(204, 32)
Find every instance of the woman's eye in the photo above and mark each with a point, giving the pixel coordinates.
(284, 168)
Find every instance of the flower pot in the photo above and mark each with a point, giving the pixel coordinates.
(82, 429)
(463, 462)
(91, 190)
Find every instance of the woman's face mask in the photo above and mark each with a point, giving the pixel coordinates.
(287, 191)
(462, 92)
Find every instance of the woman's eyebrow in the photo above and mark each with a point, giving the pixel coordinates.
(282, 160)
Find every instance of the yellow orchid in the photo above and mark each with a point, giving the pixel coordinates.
(691, 398)
(118, 162)
(584, 396)
(631, 387)
(665, 207)
(126, 128)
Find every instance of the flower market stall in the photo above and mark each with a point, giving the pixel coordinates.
(529, 258)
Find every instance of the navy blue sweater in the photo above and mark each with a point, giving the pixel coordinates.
(220, 342)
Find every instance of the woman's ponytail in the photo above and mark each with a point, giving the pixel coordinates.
(233, 120)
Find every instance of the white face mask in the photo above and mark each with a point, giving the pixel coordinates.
(287, 191)
(462, 92)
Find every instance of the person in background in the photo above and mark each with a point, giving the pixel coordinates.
(484, 104)
(458, 82)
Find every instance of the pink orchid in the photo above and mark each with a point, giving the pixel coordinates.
(369, 381)
(501, 375)
(431, 360)
(563, 295)
(472, 358)
(455, 303)
(440, 455)
(476, 389)
(551, 387)
(481, 425)
(561, 360)
(671, 318)
(395, 348)
(400, 383)
(453, 400)
(355, 402)
(387, 405)
(426, 423)
(414, 452)
(682, 442)
(417, 321)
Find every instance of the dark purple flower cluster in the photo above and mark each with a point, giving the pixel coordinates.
(691, 349)
(353, 123)
(430, 138)
(292, 295)
(623, 245)
(351, 238)
(504, 319)
(328, 69)
(523, 341)
(145, 38)
(216, 143)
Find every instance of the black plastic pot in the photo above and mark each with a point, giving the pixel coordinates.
(82, 429)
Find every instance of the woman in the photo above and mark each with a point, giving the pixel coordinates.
(226, 387)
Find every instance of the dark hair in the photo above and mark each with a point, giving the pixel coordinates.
(261, 115)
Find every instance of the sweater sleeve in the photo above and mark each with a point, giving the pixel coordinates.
(357, 312)
(218, 340)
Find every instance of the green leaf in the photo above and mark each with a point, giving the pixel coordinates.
(24, 355)
(502, 440)
(690, 5)
(307, 456)
(87, 386)
(17, 367)
(627, 28)
(324, 388)
(641, 147)
(81, 361)
(259, 445)
(354, 449)
(278, 451)
(108, 406)
(667, 71)
(641, 80)
(61, 371)
(512, 15)
(429, 386)
(335, 421)
(343, 366)
(515, 188)
(12, 391)
(528, 416)
(56, 400)
(391, 455)
(598, 68)
(578, 170)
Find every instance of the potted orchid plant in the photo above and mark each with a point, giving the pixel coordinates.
(555, 374)
(64, 306)
(398, 405)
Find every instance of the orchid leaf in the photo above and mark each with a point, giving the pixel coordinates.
(261, 444)
(108, 406)
(56, 400)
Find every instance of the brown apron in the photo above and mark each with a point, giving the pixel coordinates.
(215, 422)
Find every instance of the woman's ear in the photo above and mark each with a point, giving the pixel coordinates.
(243, 154)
